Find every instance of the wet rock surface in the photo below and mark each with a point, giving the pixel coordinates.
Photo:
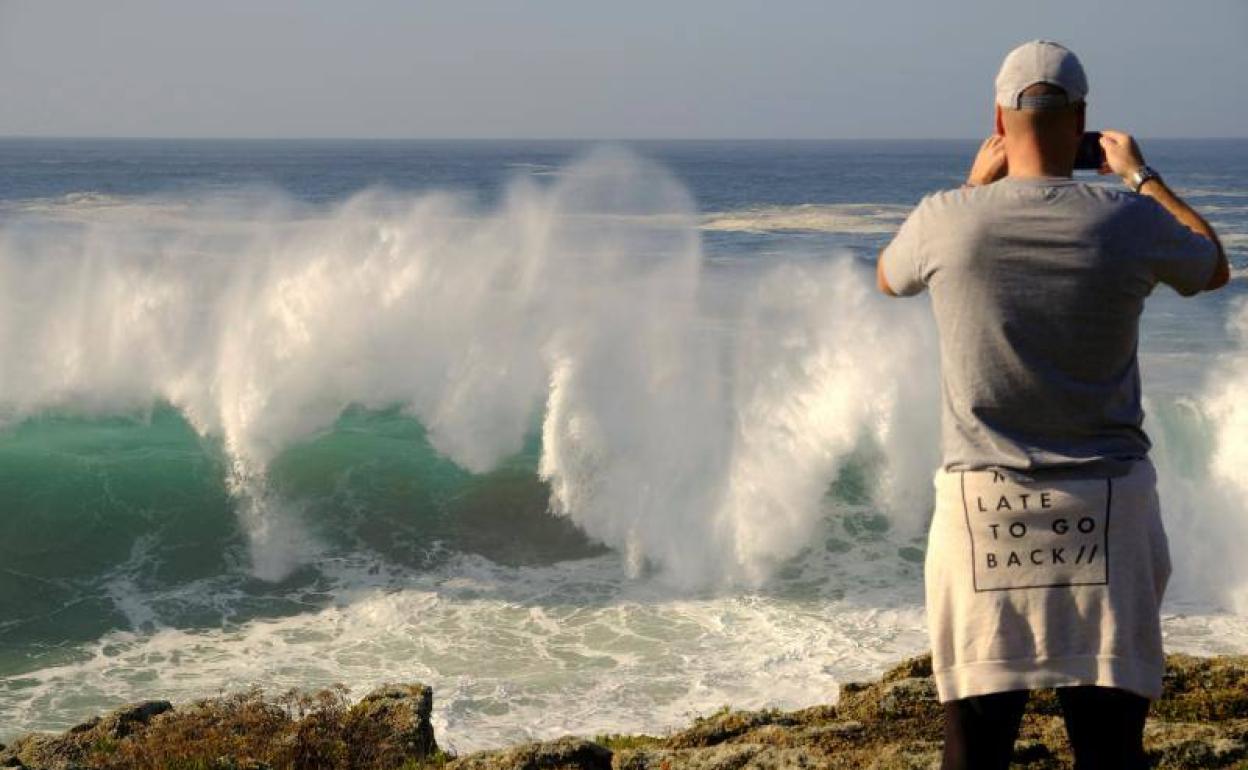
(389, 726)
(69, 750)
(896, 723)
(1201, 721)
(563, 754)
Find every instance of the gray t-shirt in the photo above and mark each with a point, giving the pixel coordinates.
(1037, 288)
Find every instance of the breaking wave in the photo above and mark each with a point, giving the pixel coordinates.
(259, 440)
(691, 422)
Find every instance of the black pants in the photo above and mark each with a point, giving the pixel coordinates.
(1105, 726)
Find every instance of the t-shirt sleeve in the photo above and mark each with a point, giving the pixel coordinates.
(902, 259)
(1179, 256)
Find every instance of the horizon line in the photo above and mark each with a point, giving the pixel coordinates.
(273, 138)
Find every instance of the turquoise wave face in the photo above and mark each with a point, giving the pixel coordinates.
(704, 372)
(375, 482)
(98, 507)
(82, 497)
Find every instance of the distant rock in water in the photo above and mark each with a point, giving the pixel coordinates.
(1201, 721)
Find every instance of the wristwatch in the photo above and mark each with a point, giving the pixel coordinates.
(1141, 175)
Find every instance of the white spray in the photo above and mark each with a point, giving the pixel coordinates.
(693, 417)
(1201, 453)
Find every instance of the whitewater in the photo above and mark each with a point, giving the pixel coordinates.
(553, 455)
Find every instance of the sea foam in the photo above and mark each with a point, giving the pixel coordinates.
(692, 422)
(692, 416)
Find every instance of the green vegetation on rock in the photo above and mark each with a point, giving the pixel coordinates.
(1201, 721)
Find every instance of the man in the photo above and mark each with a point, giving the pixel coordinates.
(1046, 558)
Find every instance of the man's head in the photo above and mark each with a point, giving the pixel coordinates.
(1040, 103)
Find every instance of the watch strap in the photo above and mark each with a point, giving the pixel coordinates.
(1140, 176)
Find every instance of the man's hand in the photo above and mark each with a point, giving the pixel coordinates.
(989, 165)
(1122, 154)
(1123, 157)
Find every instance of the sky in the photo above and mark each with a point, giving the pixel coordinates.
(600, 70)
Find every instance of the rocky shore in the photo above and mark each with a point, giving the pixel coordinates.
(1200, 722)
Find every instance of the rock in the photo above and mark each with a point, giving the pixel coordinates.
(922, 755)
(567, 753)
(771, 735)
(1198, 753)
(124, 721)
(907, 697)
(1203, 689)
(734, 756)
(391, 725)
(894, 723)
(68, 751)
(723, 726)
(908, 702)
(230, 763)
(1044, 702)
(83, 727)
(910, 668)
(48, 752)
(850, 729)
(820, 712)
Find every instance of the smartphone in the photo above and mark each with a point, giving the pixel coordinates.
(1091, 154)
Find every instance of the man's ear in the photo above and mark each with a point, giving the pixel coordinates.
(999, 124)
(1081, 119)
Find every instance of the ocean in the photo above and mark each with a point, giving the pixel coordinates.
(588, 437)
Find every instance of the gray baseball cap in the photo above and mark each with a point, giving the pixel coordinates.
(1040, 61)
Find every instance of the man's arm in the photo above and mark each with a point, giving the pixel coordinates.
(1123, 157)
(1178, 208)
(989, 166)
(880, 280)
